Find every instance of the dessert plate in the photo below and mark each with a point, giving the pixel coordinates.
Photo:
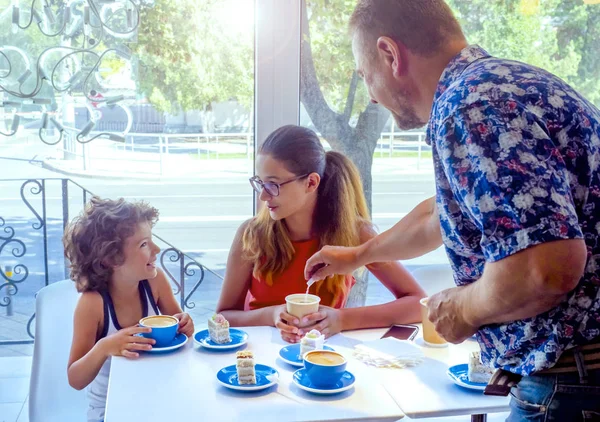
(345, 383)
(238, 338)
(179, 341)
(266, 376)
(291, 354)
(459, 374)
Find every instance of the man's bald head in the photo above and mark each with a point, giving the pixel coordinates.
(425, 27)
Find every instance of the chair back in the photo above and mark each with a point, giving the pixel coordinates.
(51, 398)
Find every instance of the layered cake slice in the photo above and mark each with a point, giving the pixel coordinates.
(313, 340)
(218, 329)
(478, 372)
(245, 367)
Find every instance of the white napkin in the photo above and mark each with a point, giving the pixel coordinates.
(388, 353)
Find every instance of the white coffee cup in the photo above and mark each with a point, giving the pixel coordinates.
(301, 304)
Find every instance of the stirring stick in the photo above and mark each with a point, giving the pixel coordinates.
(312, 280)
(309, 283)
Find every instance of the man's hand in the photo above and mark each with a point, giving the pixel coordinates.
(446, 313)
(332, 260)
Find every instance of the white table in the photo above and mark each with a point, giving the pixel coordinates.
(182, 386)
(426, 391)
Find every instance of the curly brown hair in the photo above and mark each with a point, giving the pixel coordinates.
(94, 240)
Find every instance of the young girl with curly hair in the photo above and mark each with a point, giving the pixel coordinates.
(113, 264)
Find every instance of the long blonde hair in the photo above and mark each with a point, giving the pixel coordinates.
(340, 212)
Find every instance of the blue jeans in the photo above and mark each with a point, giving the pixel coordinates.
(556, 397)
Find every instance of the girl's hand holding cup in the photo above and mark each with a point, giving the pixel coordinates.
(186, 325)
(125, 342)
(286, 323)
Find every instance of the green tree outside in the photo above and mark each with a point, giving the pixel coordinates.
(186, 59)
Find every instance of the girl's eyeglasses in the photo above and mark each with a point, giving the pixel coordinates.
(271, 188)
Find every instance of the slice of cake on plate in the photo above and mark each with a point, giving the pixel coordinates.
(478, 372)
(313, 340)
(218, 329)
(245, 367)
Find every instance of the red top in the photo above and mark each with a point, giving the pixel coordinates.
(291, 281)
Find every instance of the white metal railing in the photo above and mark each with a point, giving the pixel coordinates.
(163, 139)
(402, 134)
(165, 144)
(205, 143)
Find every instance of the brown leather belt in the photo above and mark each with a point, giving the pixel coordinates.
(579, 360)
(586, 357)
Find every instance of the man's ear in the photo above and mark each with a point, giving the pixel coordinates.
(390, 51)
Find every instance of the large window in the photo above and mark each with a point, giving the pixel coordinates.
(168, 86)
(395, 165)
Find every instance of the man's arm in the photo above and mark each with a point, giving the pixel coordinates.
(527, 283)
(416, 234)
(520, 286)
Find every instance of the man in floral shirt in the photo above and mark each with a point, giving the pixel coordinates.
(516, 153)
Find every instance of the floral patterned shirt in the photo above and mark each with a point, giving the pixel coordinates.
(516, 154)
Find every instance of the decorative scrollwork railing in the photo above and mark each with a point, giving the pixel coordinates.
(10, 283)
(179, 268)
(184, 272)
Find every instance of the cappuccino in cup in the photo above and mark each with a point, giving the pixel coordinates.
(324, 368)
(159, 321)
(164, 329)
(325, 358)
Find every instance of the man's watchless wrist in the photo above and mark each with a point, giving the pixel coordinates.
(469, 312)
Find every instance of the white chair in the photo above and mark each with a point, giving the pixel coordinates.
(434, 278)
(51, 398)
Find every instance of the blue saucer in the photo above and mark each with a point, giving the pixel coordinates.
(179, 340)
(291, 354)
(238, 338)
(266, 376)
(459, 374)
(345, 383)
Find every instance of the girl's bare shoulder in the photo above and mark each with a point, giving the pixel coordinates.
(91, 301)
(90, 309)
